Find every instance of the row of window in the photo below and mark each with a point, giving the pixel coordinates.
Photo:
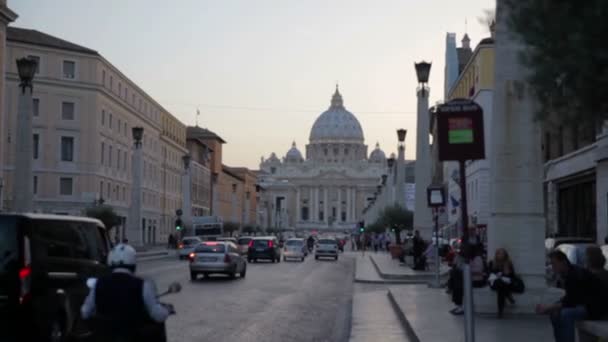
(120, 126)
(66, 148)
(304, 215)
(68, 109)
(123, 92)
(109, 161)
(66, 186)
(68, 67)
(112, 192)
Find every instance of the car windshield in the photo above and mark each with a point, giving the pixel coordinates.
(261, 243)
(210, 248)
(294, 243)
(8, 253)
(244, 241)
(327, 242)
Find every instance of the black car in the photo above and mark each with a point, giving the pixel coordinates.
(264, 247)
(45, 261)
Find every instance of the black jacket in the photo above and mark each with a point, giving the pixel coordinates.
(584, 288)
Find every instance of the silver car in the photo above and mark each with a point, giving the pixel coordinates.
(295, 249)
(327, 248)
(217, 257)
(186, 246)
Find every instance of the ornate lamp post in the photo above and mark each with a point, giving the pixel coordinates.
(23, 190)
(423, 69)
(136, 228)
(186, 193)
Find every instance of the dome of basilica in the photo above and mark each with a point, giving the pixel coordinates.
(377, 155)
(336, 124)
(294, 155)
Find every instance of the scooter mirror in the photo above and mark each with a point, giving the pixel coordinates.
(91, 282)
(175, 287)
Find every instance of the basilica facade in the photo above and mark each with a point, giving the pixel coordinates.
(329, 187)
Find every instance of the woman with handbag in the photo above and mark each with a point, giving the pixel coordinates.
(503, 279)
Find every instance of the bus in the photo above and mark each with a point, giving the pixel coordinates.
(207, 227)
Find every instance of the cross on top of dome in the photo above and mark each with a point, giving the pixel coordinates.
(336, 99)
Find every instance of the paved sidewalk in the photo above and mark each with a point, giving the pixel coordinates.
(366, 272)
(154, 251)
(424, 313)
(389, 268)
(373, 319)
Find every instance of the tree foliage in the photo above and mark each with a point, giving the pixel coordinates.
(398, 218)
(103, 213)
(566, 55)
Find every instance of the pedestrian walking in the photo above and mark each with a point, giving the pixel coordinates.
(387, 241)
(477, 277)
(171, 241)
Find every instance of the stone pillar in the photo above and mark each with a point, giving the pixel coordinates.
(601, 179)
(298, 209)
(348, 201)
(311, 204)
(339, 208)
(135, 227)
(316, 205)
(23, 189)
(215, 210)
(186, 197)
(247, 214)
(423, 218)
(326, 206)
(233, 203)
(516, 220)
(6, 16)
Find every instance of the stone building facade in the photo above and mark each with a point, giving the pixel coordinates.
(84, 110)
(329, 188)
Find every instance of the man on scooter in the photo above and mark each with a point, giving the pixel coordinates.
(121, 304)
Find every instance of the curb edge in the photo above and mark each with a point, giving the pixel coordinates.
(405, 324)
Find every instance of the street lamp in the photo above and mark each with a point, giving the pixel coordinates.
(138, 135)
(186, 159)
(401, 134)
(23, 196)
(26, 67)
(436, 199)
(423, 69)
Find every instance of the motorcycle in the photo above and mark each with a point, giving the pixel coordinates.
(150, 331)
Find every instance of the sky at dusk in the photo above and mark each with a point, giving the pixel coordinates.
(261, 71)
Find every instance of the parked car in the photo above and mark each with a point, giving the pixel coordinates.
(217, 257)
(576, 253)
(327, 248)
(45, 261)
(186, 246)
(231, 239)
(552, 243)
(243, 244)
(295, 249)
(264, 247)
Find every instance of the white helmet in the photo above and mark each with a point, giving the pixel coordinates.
(122, 255)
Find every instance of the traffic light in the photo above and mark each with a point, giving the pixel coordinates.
(361, 226)
(178, 224)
